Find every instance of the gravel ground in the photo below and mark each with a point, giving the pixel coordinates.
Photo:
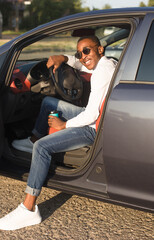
(75, 218)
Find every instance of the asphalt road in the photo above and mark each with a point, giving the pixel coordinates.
(74, 218)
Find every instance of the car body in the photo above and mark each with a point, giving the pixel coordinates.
(119, 167)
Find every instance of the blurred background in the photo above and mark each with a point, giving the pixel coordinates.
(18, 16)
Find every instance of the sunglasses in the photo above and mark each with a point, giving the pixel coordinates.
(85, 50)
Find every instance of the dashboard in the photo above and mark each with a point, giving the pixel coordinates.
(27, 74)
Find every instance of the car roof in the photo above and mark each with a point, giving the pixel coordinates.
(120, 12)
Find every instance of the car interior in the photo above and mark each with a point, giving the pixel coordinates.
(31, 81)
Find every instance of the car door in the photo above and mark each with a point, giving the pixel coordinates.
(2, 90)
(129, 124)
(1, 131)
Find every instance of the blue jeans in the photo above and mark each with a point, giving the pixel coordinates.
(61, 141)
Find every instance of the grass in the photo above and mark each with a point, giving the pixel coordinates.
(51, 44)
(54, 45)
(9, 35)
(9, 32)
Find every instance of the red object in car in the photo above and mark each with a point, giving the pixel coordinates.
(19, 82)
(52, 130)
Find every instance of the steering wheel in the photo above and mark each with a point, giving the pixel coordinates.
(68, 83)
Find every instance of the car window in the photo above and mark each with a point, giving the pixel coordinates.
(57, 44)
(146, 69)
(65, 43)
(114, 50)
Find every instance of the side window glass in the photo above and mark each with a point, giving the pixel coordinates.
(146, 68)
(114, 50)
(58, 44)
(112, 39)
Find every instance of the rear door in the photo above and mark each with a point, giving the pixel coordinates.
(129, 123)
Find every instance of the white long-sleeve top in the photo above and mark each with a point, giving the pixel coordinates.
(100, 80)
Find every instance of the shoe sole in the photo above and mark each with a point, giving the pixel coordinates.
(23, 226)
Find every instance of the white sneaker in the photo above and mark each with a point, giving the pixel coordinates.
(24, 145)
(19, 218)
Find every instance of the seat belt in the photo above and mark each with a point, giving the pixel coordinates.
(100, 114)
